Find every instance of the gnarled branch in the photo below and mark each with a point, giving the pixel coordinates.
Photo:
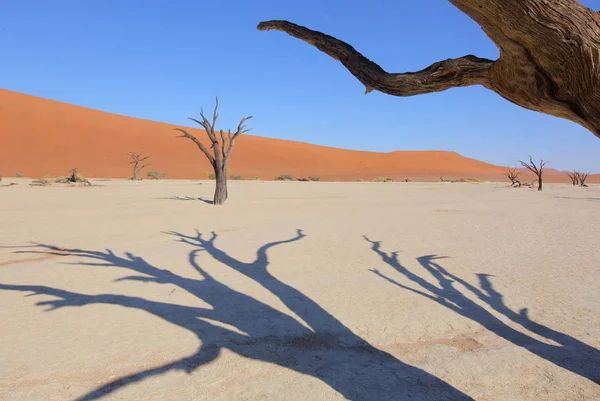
(198, 143)
(241, 129)
(451, 73)
(549, 58)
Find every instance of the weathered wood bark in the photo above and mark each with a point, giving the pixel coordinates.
(221, 187)
(537, 170)
(221, 151)
(549, 58)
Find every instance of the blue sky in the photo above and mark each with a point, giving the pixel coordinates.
(164, 60)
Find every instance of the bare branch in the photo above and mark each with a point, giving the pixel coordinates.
(240, 130)
(223, 144)
(548, 58)
(198, 143)
(215, 113)
(465, 71)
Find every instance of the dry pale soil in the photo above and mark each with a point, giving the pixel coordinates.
(299, 291)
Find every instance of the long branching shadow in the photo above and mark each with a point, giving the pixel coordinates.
(561, 349)
(318, 344)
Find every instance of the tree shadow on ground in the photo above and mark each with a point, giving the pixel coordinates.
(567, 352)
(318, 345)
(189, 198)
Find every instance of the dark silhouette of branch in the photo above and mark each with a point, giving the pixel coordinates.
(570, 353)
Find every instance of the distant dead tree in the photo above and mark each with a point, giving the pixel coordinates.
(537, 170)
(221, 151)
(136, 160)
(581, 177)
(512, 174)
(73, 178)
(574, 176)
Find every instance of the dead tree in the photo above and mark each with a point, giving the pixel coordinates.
(537, 170)
(73, 178)
(574, 176)
(548, 58)
(581, 177)
(512, 174)
(136, 160)
(220, 151)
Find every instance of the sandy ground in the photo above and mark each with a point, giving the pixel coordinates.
(305, 291)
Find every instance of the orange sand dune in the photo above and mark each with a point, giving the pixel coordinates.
(40, 136)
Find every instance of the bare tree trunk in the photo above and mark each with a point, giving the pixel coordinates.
(540, 182)
(548, 61)
(221, 189)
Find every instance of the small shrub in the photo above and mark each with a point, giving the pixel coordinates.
(209, 175)
(357, 180)
(19, 175)
(284, 177)
(39, 183)
(236, 177)
(382, 179)
(303, 179)
(155, 175)
(466, 180)
(48, 175)
(254, 177)
(314, 178)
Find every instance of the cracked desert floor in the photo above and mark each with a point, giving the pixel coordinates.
(299, 291)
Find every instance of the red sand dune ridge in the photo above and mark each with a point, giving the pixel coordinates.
(40, 136)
